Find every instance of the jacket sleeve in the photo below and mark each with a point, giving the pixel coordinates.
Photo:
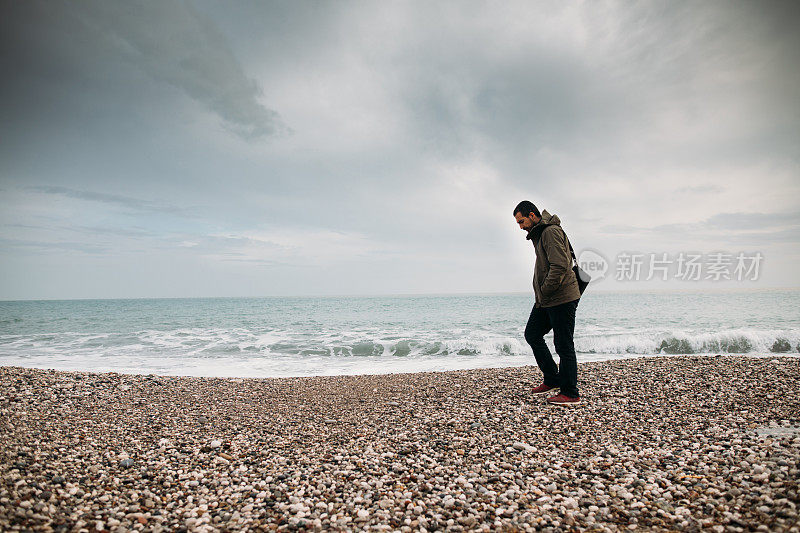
(554, 242)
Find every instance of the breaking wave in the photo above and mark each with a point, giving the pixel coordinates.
(731, 341)
(211, 343)
(274, 337)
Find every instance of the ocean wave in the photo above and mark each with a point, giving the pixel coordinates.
(244, 343)
(680, 342)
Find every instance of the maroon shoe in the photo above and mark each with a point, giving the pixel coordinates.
(541, 389)
(563, 401)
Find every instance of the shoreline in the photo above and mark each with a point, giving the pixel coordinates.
(661, 443)
(357, 369)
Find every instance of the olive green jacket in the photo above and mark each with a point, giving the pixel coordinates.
(554, 280)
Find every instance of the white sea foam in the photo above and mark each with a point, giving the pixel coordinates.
(287, 337)
(239, 352)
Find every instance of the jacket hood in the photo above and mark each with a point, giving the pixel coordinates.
(547, 220)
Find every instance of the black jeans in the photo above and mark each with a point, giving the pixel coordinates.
(561, 319)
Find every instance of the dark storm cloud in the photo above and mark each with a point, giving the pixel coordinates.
(169, 41)
(620, 87)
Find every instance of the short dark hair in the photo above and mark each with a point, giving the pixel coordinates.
(526, 208)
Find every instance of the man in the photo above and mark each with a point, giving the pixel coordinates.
(557, 295)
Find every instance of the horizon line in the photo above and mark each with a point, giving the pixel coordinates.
(405, 294)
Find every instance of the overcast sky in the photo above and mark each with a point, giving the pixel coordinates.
(166, 149)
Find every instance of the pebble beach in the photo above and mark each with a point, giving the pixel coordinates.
(690, 443)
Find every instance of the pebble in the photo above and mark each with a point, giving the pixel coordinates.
(522, 447)
(470, 451)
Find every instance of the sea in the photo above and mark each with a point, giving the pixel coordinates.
(309, 336)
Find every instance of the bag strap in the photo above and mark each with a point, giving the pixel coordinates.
(571, 251)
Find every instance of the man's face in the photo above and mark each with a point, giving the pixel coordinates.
(526, 222)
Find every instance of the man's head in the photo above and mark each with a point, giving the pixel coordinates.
(527, 215)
